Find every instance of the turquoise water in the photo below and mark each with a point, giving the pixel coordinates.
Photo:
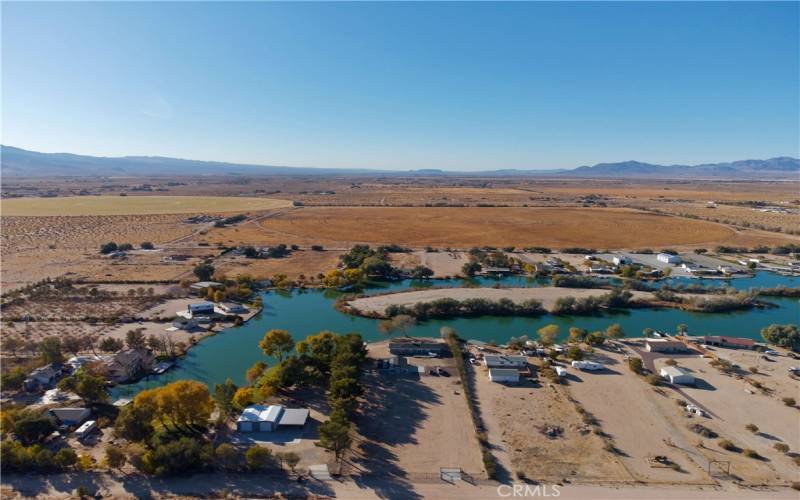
(305, 312)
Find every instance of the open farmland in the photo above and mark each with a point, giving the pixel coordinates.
(134, 205)
(467, 227)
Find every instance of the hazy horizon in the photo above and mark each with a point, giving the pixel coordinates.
(450, 86)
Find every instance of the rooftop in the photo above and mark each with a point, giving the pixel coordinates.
(674, 371)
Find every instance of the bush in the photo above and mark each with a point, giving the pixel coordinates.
(671, 362)
(636, 365)
(258, 457)
(789, 401)
(752, 454)
(489, 464)
(146, 245)
(781, 447)
(726, 444)
(653, 379)
(751, 427)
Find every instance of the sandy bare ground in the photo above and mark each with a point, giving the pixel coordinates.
(413, 425)
(444, 263)
(513, 416)
(547, 296)
(257, 485)
(642, 421)
(737, 404)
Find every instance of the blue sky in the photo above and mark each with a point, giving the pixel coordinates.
(464, 86)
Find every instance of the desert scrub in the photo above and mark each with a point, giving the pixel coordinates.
(727, 444)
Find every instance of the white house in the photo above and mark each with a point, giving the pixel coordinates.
(664, 345)
(503, 375)
(668, 258)
(499, 361)
(261, 418)
(231, 308)
(677, 375)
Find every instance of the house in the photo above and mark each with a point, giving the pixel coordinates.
(677, 375)
(261, 418)
(599, 269)
(733, 342)
(42, 377)
(70, 417)
(416, 347)
(127, 365)
(668, 258)
(231, 308)
(500, 361)
(503, 375)
(621, 260)
(199, 308)
(727, 269)
(201, 287)
(664, 345)
(187, 324)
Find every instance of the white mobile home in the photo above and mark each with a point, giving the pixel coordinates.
(499, 361)
(86, 429)
(668, 258)
(503, 375)
(677, 375)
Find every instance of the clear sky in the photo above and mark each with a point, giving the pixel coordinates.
(463, 86)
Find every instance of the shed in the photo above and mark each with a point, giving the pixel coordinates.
(503, 375)
(677, 375)
(261, 418)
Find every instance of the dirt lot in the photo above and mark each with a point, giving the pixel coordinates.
(413, 425)
(546, 295)
(514, 415)
(305, 263)
(467, 227)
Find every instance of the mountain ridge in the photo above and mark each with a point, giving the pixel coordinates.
(18, 162)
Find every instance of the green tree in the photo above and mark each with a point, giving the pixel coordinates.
(334, 434)
(204, 271)
(648, 332)
(291, 459)
(548, 334)
(256, 371)
(223, 397)
(50, 350)
(90, 388)
(110, 344)
(786, 336)
(115, 457)
(65, 457)
(277, 343)
(134, 423)
(227, 456)
(682, 329)
(470, 269)
(135, 339)
(33, 428)
(258, 457)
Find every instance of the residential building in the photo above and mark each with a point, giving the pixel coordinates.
(201, 287)
(232, 308)
(677, 375)
(70, 417)
(262, 418)
(416, 347)
(665, 345)
(501, 361)
(503, 375)
(199, 308)
(733, 342)
(42, 377)
(668, 258)
(128, 364)
(621, 260)
(187, 324)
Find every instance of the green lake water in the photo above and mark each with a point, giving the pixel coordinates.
(304, 312)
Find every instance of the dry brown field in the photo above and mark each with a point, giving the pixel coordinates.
(467, 227)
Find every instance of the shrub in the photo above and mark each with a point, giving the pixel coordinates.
(258, 457)
(789, 401)
(751, 427)
(751, 454)
(726, 444)
(653, 379)
(489, 464)
(636, 365)
(781, 447)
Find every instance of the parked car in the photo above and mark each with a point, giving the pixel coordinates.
(772, 353)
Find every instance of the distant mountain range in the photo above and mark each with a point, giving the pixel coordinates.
(16, 162)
